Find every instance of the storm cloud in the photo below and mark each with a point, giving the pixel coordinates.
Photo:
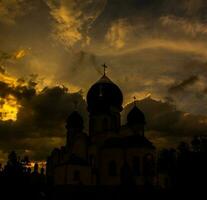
(41, 117)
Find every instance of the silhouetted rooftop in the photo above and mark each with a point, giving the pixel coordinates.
(136, 116)
(128, 142)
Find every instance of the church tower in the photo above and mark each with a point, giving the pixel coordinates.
(104, 101)
(74, 126)
(136, 121)
(77, 140)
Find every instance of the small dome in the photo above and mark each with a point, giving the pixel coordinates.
(136, 116)
(74, 120)
(104, 95)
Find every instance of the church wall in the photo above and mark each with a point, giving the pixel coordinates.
(84, 172)
(67, 174)
(133, 153)
(80, 148)
(59, 175)
(118, 155)
(108, 155)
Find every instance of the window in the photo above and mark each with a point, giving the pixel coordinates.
(112, 168)
(136, 166)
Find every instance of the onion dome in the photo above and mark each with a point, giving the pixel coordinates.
(75, 120)
(136, 116)
(104, 95)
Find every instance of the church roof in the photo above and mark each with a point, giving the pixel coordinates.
(134, 141)
(136, 116)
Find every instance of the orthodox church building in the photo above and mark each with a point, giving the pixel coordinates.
(111, 154)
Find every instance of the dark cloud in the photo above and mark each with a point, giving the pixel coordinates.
(41, 117)
(165, 121)
(2, 70)
(205, 91)
(180, 87)
(5, 56)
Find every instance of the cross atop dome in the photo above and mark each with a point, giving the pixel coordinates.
(104, 67)
(134, 97)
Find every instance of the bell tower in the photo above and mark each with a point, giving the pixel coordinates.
(136, 120)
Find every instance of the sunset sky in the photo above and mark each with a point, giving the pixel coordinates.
(51, 52)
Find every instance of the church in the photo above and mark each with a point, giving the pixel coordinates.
(110, 154)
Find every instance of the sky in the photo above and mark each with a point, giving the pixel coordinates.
(51, 52)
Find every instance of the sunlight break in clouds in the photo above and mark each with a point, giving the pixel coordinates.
(8, 108)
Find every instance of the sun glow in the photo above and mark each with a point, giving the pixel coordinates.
(8, 108)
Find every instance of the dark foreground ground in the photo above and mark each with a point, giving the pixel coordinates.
(99, 193)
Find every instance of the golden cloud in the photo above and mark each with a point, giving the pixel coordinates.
(9, 10)
(190, 27)
(73, 19)
(118, 33)
(9, 108)
(20, 54)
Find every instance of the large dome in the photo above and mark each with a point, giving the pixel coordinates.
(104, 95)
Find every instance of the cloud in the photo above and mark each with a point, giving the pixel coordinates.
(5, 56)
(118, 34)
(182, 25)
(166, 122)
(41, 117)
(73, 19)
(2, 70)
(20, 54)
(183, 84)
(9, 10)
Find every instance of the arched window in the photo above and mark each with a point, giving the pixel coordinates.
(112, 168)
(136, 166)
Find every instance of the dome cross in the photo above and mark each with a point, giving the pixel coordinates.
(135, 100)
(104, 67)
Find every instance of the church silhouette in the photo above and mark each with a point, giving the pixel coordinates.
(111, 154)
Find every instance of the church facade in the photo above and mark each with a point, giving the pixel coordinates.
(111, 154)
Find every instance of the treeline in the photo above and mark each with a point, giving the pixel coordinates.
(184, 167)
(18, 172)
